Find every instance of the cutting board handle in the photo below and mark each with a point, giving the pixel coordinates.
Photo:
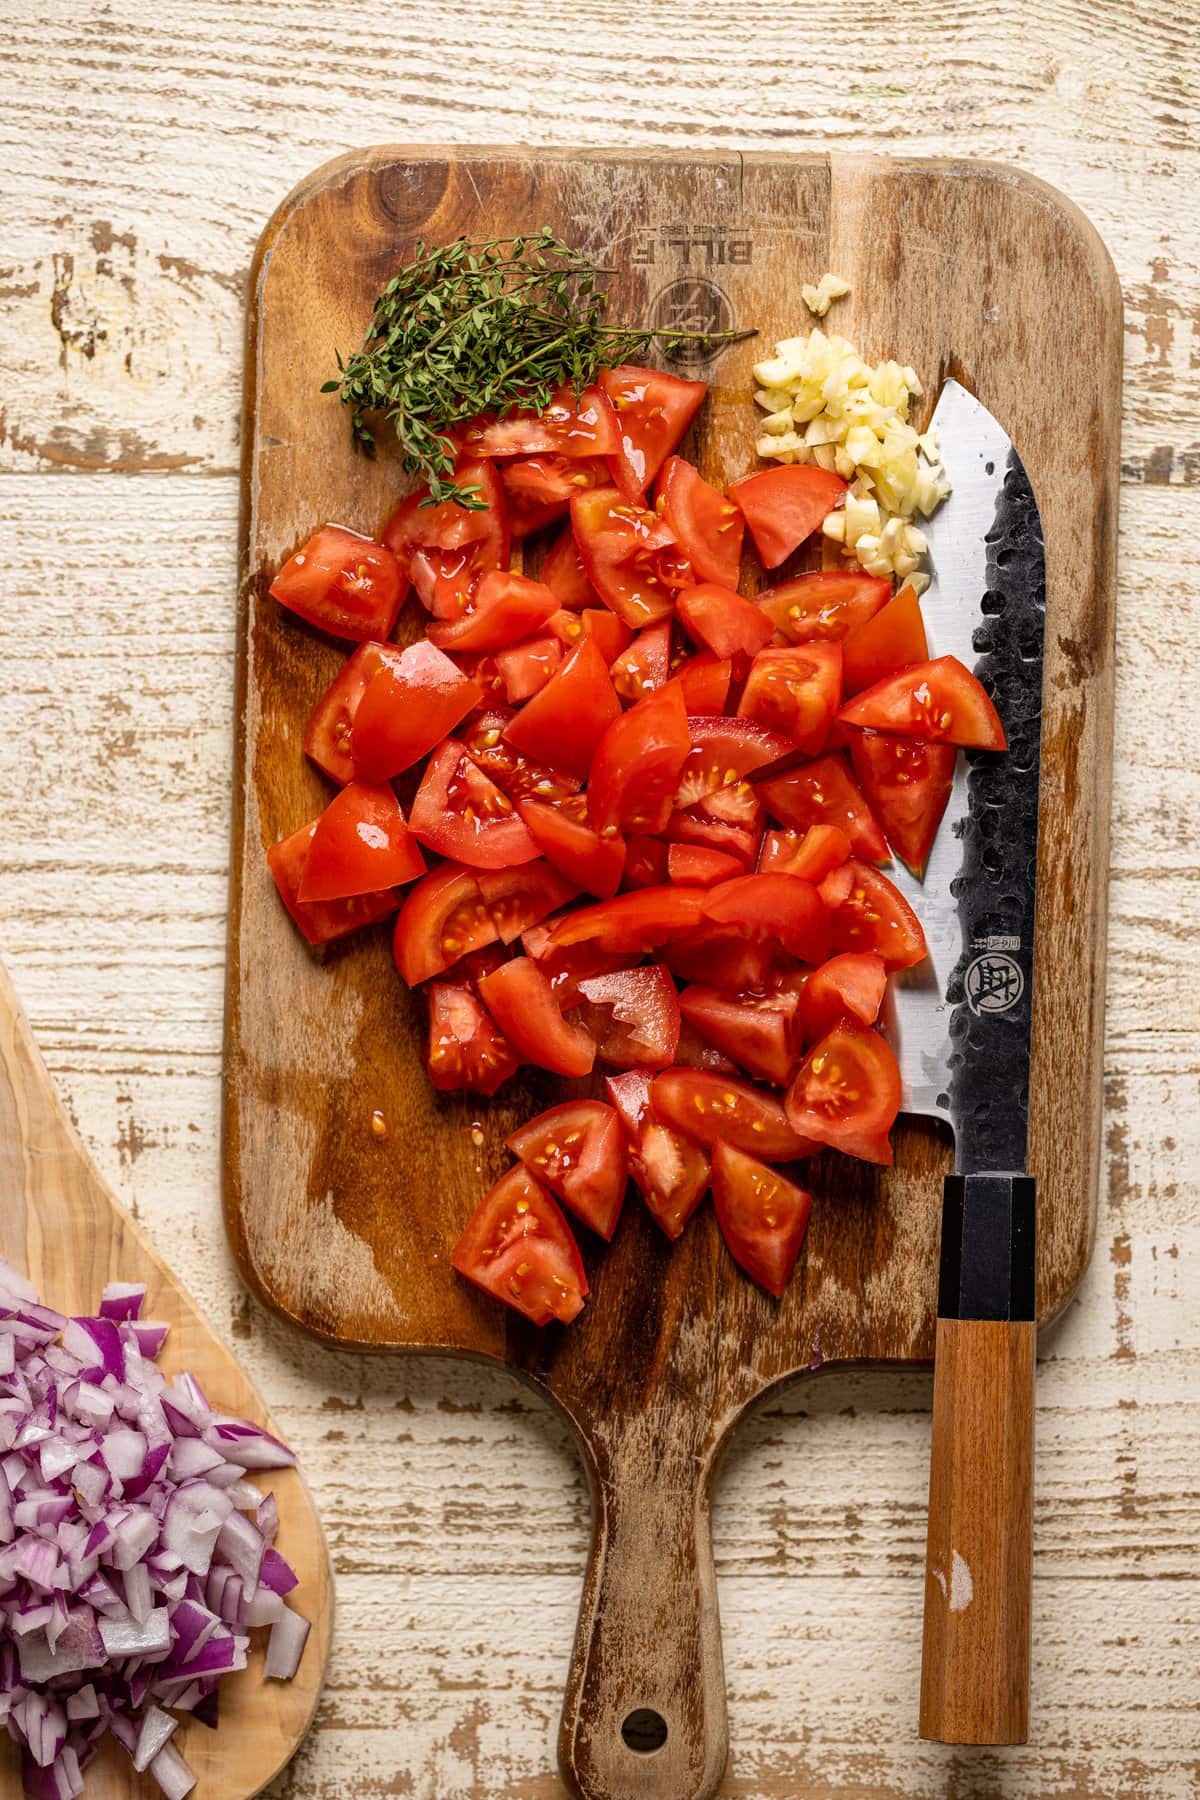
(644, 1715)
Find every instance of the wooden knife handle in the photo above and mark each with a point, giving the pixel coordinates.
(644, 1714)
(975, 1652)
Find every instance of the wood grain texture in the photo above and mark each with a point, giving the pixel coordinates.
(979, 1549)
(60, 1226)
(143, 154)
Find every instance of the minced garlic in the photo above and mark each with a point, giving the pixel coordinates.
(825, 405)
(820, 298)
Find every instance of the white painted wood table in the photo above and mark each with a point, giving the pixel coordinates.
(144, 146)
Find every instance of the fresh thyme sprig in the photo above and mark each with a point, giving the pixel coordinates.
(478, 326)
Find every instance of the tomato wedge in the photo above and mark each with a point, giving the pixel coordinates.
(722, 621)
(824, 792)
(570, 426)
(653, 412)
(578, 1151)
(718, 1108)
(848, 986)
(465, 1049)
(645, 663)
(445, 549)
(592, 862)
(824, 605)
(893, 638)
(722, 959)
(413, 699)
(539, 489)
(723, 753)
(907, 783)
(633, 922)
(630, 555)
(637, 765)
(563, 572)
(776, 909)
(329, 732)
(361, 845)
(940, 701)
(320, 921)
(464, 816)
(755, 1030)
(564, 724)
(785, 505)
(518, 1247)
(868, 912)
(565, 969)
(514, 774)
(692, 1052)
(521, 1001)
(521, 897)
(811, 854)
(708, 526)
(507, 608)
(847, 1092)
(763, 1217)
(525, 668)
(795, 692)
(700, 866)
(443, 918)
(609, 634)
(645, 861)
(704, 681)
(345, 584)
(670, 1171)
(632, 1015)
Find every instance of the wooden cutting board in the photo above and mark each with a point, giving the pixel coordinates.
(961, 269)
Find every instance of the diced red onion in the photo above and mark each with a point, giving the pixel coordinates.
(285, 1646)
(126, 1637)
(267, 1518)
(122, 1300)
(248, 1445)
(172, 1773)
(156, 1728)
(83, 1704)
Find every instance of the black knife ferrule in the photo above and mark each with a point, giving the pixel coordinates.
(989, 1243)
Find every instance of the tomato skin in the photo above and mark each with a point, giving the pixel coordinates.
(637, 765)
(851, 985)
(521, 1001)
(825, 605)
(779, 909)
(653, 411)
(824, 792)
(939, 701)
(671, 1172)
(522, 897)
(578, 1151)
(722, 959)
(785, 505)
(644, 665)
(525, 668)
(609, 634)
(344, 584)
(722, 622)
(639, 921)
(847, 1092)
(907, 783)
(565, 723)
(445, 549)
(700, 866)
(755, 1031)
(513, 773)
(763, 1217)
(329, 732)
(413, 699)
(632, 1015)
(893, 638)
(517, 1224)
(592, 862)
(443, 918)
(708, 526)
(569, 426)
(812, 854)
(564, 574)
(361, 845)
(630, 556)
(868, 912)
(320, 921)
(795, 692)
(717, 1108)
(464, 816)
(565, 969)
(734, 838)
(508, 607)
(465, 1050)
(704, 681)
(538, 489)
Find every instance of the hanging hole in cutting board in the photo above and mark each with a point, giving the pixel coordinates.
(644, 1730)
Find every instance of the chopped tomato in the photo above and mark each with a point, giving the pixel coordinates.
(632, 1015)
(868, 912)
(722, 621)
(722, 959)
(464, 816)
(700, 866)
(345, 584)
(717, 1108)
(795, 692)
(824, 792)
(645, 664)
(514, 774)
(811, 854)
(539, 488)
(763, 1217)
(520, 999)
(637, 765)
(940, 701)
(640, 921)
(891, 639)
(593, 862)
(328, 734)
(609, 634)
(565, 969)
(693, 1052)
(563, 572)
(785, 505)
(413, 699)
(445, 549)
(645, 861)
(670, 1171)
(907, 783)
(653, 412)
(517, 1246)
(776, 909)
(705, 680)
(565, 723)
(525, 668)
(826, 604)
(848, 986)
(443, 918)
(756, 1030)
(723, 753)
(731, 837)
(507, 608)
(578, 1151)
(465, 1048)
(320, 921)
(521, 897)
(630, 555)
(708, 526)
(361, 845)
(571, 426)
(847, 1092)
